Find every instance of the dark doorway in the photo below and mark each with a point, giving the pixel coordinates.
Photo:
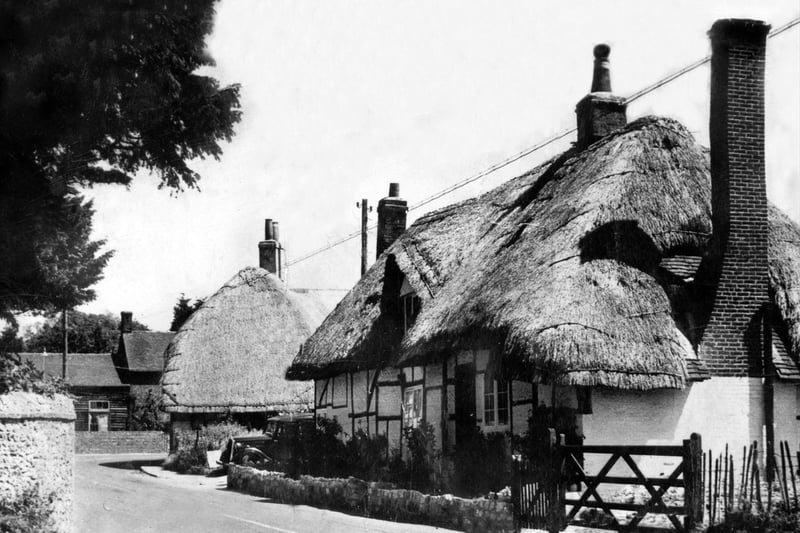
(465, 403)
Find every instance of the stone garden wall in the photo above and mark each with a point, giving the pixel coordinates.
(371, 499)
(37, 441)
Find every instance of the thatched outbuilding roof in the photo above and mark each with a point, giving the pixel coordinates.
(232, 353)
(559, 269)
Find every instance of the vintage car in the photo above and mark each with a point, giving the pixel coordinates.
(272, 449)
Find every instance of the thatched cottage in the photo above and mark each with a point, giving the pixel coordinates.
(638, 278)
(229, 358)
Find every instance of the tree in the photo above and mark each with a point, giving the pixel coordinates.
(92, 91)
(183, 310)
(87, 333)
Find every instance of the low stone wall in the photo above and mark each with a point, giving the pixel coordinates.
(121, 442)
(369, 499)
(37, 441)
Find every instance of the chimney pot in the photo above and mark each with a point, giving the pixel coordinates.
(270, 250)
(268, 229)
(601, 79)
(126, 321)
(276, 231)
(394, 190)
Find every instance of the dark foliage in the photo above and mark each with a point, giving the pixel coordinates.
(482, 464)
(92, 91)
(777, 521)
(183, 310)
(18, 375)
(86, 332)
(149, 415)
(30, 513)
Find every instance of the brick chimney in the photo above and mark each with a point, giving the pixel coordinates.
(599, 112)
(126, 321)
(270, 250)
(391, 218)
(733, 338)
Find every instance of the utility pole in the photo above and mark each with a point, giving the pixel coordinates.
(64, 353)
(365, 209)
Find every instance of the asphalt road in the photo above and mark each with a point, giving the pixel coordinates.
(112, 495)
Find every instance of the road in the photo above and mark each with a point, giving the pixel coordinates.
(112, 495)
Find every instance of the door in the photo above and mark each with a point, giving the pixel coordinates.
(465, 403)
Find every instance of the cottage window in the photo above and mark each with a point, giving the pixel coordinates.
(412, 406)
(495, 401)
(409, 304)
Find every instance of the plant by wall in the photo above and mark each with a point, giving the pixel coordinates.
(482, 463)
(149, 414)
(18, 375)
(29, 513)
(420, 470)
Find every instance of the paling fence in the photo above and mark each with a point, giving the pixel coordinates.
(752, 482)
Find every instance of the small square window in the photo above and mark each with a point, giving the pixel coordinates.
(98, 405)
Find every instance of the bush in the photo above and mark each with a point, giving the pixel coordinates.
(778, 521)
(149, 415)
(420, 469)
(19, 375)
(213, 436)
(193, 460)
(482, 464)
(30, 513)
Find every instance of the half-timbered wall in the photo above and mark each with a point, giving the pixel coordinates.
(372, 400)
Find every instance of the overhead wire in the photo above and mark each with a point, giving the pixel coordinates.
(530, 150)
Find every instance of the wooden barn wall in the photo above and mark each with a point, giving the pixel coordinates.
(118, 406)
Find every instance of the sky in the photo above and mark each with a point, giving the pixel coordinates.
(341, 98)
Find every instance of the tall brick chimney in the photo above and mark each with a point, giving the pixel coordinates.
(391, 218)
(126, 321)
(599, 112)
(270, 250)
(733, 340)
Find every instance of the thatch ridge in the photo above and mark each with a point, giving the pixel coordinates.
(559, 265)
(232, 353)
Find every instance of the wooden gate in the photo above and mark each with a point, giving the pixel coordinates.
(541, 500)
(535, 486)
(688, 474)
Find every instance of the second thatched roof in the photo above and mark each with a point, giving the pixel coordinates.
(232, 353)
(560, 269)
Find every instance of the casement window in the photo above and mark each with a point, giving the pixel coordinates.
(98, 415)
(412, 406)
(410, 305)
(495, 401)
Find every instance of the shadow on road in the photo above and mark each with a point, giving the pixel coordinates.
(133, 464)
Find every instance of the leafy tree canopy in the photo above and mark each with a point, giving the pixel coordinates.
(92, 91)
(183, 310)
(87, 333)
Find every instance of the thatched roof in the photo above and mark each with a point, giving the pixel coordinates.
(232, 353)
(143, 351)
(558, 268)
(83, 369)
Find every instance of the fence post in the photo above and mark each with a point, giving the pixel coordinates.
(553, 480)
(693, 481)
(515, 492)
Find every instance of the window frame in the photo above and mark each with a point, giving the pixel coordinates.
(409, 421)
(492, 398)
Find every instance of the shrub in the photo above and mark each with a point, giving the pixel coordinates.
(482, 464)
(149, 414)
(424, 456)
(193, 460)
(778, 521)
(30, 513)
(19, 375)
